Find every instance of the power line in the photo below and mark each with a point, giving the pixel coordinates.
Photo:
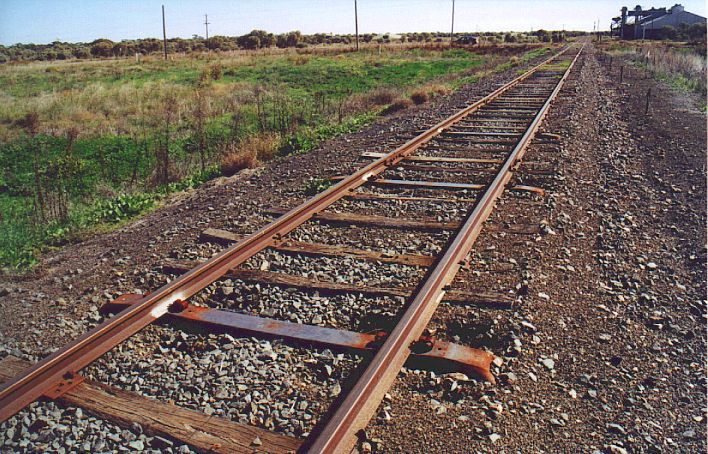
(206, 26)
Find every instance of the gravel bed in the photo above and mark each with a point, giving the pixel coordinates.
(336, 269)
(404, 209)
(349, 311)
(449, 176)
(423, 192)
(263, 383)
(47, 427)
(386, 240)
(479, 151)
(607, 352)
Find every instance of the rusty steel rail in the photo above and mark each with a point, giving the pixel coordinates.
(66, 362)
(360, 404)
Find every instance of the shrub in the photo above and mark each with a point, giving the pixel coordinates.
(419, 96)
(398, 104)
(235, 160)
(263, 145)
(382, 96)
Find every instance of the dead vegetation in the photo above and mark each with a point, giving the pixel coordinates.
(235, 159)
(247, 153)
(382, 96)
(419, 97)
(397, 105)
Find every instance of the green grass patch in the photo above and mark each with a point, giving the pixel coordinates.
(309, 138)
(22, 240)
(352, 75)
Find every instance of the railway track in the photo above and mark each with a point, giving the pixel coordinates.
(462, 164)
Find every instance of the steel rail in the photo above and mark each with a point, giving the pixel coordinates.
(338, 435)
(69, 360)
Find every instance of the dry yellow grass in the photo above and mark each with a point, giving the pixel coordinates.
(246, 153)
(234, 160)
(263, 145)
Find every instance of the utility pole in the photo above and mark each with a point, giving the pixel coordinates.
(206, 27)
(452, 27)
(164, 32)
(356, 26)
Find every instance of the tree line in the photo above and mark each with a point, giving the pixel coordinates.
(256, 39)
(102, 47)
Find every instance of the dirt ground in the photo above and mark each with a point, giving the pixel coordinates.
(606, 351)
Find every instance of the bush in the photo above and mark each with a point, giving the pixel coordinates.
(419, 96)
(398, 104)
(382, 96)
(263, 145)
(235, 160)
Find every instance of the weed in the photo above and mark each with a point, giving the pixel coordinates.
(263, 145)
(316, 185)
(307, 139)
(122, 207)
(678, 67)
(437, 90)
(216, 71)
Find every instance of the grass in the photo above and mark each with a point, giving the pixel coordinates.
(679, 66)
(115, 121)
(503, 66)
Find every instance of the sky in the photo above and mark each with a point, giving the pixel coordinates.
(44, 21)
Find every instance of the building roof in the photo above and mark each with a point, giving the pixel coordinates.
(674, 19)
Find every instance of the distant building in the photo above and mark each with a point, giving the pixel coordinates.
(649, 22)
